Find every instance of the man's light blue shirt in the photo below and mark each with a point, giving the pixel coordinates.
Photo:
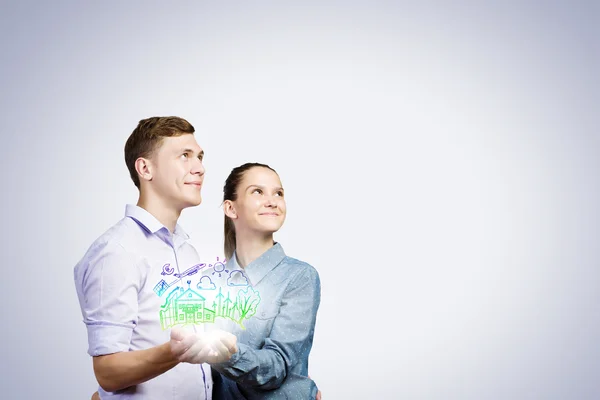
(122, 283)
(272, 360)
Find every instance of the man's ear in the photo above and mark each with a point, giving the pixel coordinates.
(229, 209)
(143, 166)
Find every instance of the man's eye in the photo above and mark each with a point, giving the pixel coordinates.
(185, 155)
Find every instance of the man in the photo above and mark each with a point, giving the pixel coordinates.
(124, 278)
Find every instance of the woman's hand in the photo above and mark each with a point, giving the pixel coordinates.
(318, 391)
(216, 346)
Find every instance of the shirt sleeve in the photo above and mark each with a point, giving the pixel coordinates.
(290, 339)
(107, 284)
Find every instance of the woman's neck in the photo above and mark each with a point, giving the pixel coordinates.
(250, 246)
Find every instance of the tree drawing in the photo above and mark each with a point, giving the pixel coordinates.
(247, 302)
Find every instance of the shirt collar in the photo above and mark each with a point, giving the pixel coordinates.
(150, 223)
(260, 267)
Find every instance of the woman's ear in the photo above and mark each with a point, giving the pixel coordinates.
(229, 209)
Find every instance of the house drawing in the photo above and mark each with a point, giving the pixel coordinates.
(184, 307)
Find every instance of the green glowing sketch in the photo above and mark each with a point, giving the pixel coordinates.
(188, 307)
(246, 303)
(184, 307)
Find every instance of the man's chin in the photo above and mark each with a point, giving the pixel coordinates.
(193, 202)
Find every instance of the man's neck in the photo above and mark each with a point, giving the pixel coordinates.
(163, 212)
(249, 247)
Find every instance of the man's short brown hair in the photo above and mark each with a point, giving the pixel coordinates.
(148, 136)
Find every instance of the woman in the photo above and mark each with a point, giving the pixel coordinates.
(274, 344)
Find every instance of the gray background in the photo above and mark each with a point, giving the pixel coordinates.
(440, 163)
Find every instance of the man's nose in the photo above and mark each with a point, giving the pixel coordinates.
(198, 167)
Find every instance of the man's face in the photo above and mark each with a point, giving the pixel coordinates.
(177, 171)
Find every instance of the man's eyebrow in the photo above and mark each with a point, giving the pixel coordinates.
(201, 154)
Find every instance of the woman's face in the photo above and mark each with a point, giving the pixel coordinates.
(260, 205)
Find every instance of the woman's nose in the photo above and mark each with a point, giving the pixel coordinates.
(271, 202)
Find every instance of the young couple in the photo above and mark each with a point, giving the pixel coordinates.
(143, 350)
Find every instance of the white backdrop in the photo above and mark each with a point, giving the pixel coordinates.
(440, 164)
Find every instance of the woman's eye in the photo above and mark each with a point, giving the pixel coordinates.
(257, 191)
(185, 155)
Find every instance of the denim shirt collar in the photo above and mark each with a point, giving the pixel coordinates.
(259, 268)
